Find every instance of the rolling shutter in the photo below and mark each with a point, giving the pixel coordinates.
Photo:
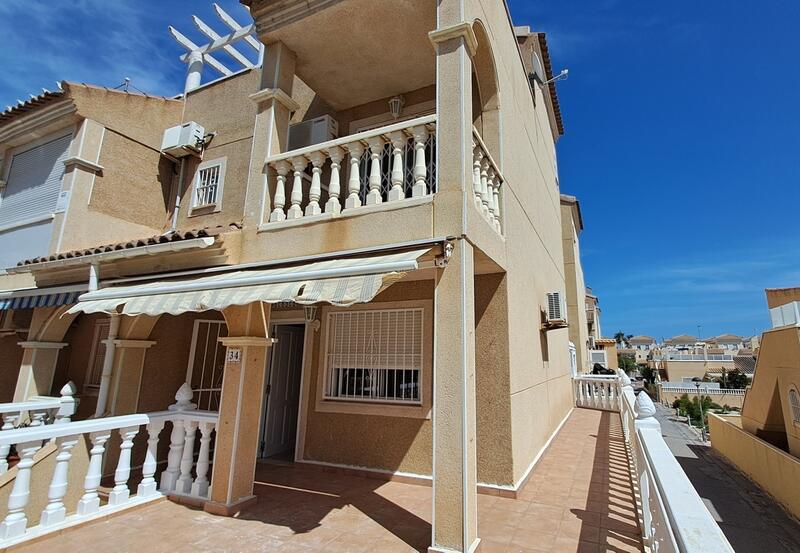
(34, 182)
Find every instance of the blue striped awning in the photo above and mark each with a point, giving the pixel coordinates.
(39, 300)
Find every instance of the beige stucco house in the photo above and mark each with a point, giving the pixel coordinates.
(349, 267)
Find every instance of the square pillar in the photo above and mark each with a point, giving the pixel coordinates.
(127, 376)
(37, 369)
(455, 518)
(240, 409)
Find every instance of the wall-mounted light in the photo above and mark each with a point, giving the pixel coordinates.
(396, 106)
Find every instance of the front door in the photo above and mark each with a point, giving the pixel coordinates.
(283, 391)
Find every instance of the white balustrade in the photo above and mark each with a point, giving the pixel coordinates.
(487, 182)
(388, 164)
(673, 517)
(37, 411)
(28, 441)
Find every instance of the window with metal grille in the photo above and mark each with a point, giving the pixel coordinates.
(207, 363)
(794, 402)
(98, 354)
(208, 184)
(374, 356)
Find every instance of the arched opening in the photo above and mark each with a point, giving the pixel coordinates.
(485, 93)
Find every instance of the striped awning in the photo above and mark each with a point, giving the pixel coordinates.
(340, 282)
(28, 299)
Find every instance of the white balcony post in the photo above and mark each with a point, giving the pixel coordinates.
(495, 191)
(314, 193)
(147, 486)
(15, 522)
(170, 475)
(278, 214)
(492, 177)
(420, 167)
(200, 485)
(9, 423)
(485, 186)
(334, 186)
(398, 139)
(69, 404)
(477, 158)
(299, 164)
(184, 484)
(375, 150)
(120, 494)
(355, 150)
(90, 501)
(56, 511)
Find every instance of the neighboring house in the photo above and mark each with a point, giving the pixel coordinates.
(571, 228)
(79, 167)
(764, 442)
(336, 231)
(728, 342)
(642, 348)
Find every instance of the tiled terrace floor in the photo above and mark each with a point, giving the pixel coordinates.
(578, 499)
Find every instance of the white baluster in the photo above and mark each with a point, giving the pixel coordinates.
(398, 139)
(56, 511)
(9, 423)
(492, 176)
(90, 501)
(299, 165)
(200, 486)
(334, 186)
(354, 183)
(375, 150)
(485, 186)
(170, 475)
(120, 494)
(314, 193)
(477, 158)
(15, 522)
(184, 484)
(496, 204)
(69, 404)
(147, 486)
(38, 417)
(420, 167)
(278, 214)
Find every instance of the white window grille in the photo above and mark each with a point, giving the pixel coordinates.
(794, 402)
(598, 356)
(98, 354)
(207, 363)
(374, 356)
(208, 184)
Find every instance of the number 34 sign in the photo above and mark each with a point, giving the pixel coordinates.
(234, 356)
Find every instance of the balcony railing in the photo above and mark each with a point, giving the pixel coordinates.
(186, 473)
(37, 411)
(673, 517)
(388, 165)
(487, 182)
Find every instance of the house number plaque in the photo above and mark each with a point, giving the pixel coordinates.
(234, 355)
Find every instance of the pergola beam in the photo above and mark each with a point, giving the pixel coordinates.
(192, 47)
(230, 50)
(234, 26)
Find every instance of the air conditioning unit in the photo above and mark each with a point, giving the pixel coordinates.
(183, 140)
(313, 131)
(556, 308)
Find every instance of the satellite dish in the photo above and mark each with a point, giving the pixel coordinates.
(537, 69)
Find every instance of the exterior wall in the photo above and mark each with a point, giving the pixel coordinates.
(773, 470)
(576, 287)
(10, 359)
(678, 370)
(223, 107)
(397, 444)
(73, 362)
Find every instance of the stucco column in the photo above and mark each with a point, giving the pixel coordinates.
(126, 382)
(37, 369)
(240, 408)
(271, 132)
(455, 518)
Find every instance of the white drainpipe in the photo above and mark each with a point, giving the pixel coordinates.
(108, 365)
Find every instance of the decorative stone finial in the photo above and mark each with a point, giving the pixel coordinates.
(184, 397)
(69, 389)
(645, 408)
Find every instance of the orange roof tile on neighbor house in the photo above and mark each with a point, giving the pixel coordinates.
(173, 236)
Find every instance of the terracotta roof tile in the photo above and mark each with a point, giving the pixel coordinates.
(174, 236)
(46, 97)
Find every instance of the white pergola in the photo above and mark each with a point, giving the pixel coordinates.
(198, 56)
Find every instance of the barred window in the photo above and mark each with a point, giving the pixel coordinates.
(208, 184)
(374, 356)
(794, 403)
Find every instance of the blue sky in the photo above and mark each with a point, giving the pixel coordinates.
(681, 140)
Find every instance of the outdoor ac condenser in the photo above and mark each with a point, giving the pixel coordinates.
(183, 140)
(313, 131)
(556, 308)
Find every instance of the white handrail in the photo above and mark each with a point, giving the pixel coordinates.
(50, 431)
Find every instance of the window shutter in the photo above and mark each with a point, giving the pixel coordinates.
(34, 182)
